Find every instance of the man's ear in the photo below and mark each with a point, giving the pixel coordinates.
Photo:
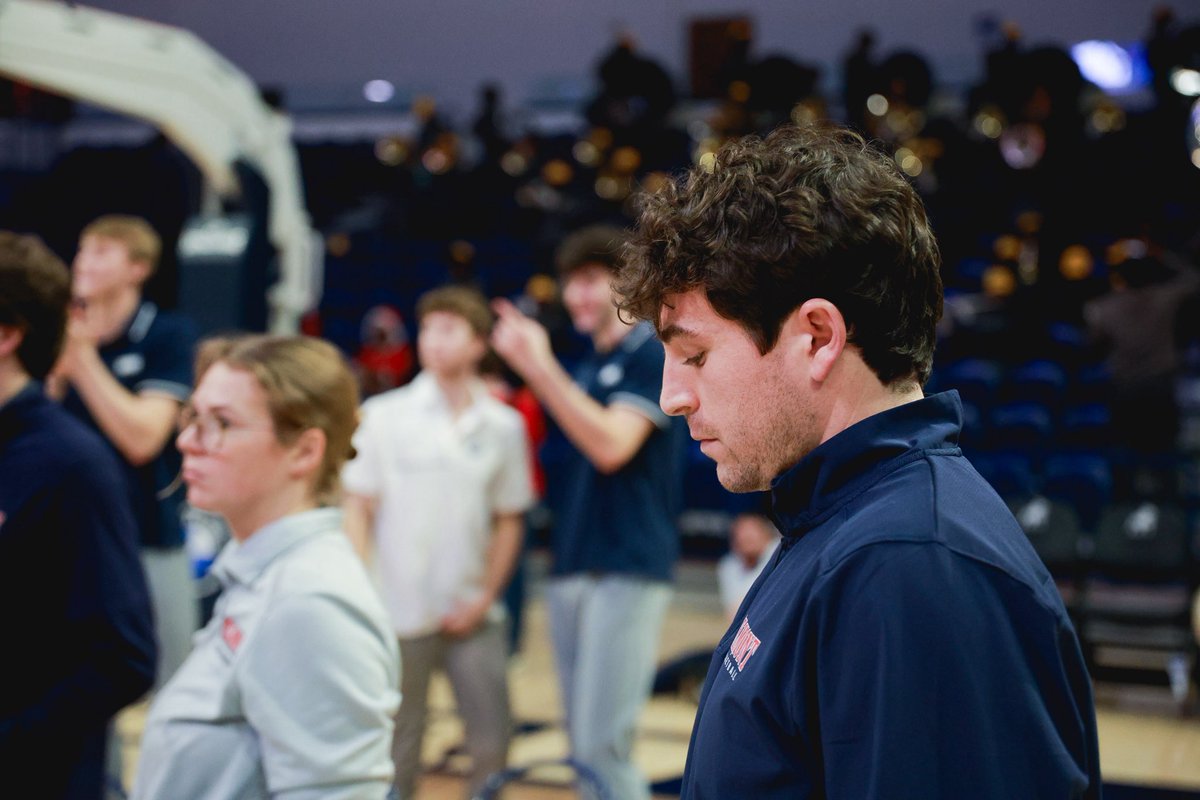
(142, 270)
(816, 333)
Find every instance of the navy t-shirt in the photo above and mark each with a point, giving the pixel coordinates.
(78, 623)
(153, 354)
(904, 642)
(623, 522)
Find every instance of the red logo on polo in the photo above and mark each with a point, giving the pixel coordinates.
(231, 633)
(745, 644)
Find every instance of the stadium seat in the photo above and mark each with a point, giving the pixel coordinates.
(1082, 480)
(1085, 427)
(976, 380)
(1137, 599)
(1023, 426)
(1039, 381)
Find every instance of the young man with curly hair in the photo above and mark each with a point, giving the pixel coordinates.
(905, 640)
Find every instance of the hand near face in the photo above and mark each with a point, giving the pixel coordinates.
(519, 340)
(81, 339)
(465, 618)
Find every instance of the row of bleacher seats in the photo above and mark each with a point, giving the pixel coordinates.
(1040, 432)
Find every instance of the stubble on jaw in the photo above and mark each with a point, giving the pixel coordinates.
(777, 443)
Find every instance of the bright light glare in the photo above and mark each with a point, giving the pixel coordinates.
(1186, 82)
(1105, 64)
(379, 91)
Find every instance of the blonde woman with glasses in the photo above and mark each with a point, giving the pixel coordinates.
(290, 689)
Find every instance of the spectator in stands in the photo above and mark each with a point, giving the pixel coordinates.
(907, 624)
(81, 638)
(384, 359)
(635, 96)
(860, 78)
(752, 541)
(126, 371)
(290, 690)
(439, 488)
(1136, 322)
(614, 541)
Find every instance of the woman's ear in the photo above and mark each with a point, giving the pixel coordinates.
(307, 453)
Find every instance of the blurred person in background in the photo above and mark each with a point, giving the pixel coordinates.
(291, 687)
(752, 542)
(614, 543)
(81, 642)
(125, 370)
(1137, 324)
(436, 499)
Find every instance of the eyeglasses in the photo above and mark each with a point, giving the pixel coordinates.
(211, 428)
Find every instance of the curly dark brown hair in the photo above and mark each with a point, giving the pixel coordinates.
(770, 223)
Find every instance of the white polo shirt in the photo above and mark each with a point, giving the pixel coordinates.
(290, 689)
(439, 480)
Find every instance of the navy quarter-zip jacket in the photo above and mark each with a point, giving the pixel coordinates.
(904, 642)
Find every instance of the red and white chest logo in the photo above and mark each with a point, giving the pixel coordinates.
(745, 644)
(231, 633)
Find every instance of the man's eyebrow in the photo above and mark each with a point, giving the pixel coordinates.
(671, 331)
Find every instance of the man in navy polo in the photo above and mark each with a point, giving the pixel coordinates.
(79, 639)
(615, 541)
(128, 368)
(904, 641)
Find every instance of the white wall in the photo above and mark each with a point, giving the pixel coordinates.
(449, 47)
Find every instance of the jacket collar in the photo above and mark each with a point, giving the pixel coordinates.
(855, 459)
(242, 562)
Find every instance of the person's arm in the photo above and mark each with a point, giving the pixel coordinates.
(608, 436)
(358, 521)
(508, 533)
(138, 425)
(319, 687)
(362, 483)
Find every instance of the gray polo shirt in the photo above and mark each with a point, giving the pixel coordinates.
(290, 689)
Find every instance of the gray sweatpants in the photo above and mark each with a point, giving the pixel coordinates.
(477, 668)
(605, 630)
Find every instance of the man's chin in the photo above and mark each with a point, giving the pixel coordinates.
(740, 481)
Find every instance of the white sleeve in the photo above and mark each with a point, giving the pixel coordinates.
(363, 474)
(512, 487)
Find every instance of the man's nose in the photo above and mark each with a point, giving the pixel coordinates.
(677, 397)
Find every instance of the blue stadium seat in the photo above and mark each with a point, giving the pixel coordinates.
(1085, 427)
(1037, 381)
(976, 379)
(1023, 426)
(1083, 480)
